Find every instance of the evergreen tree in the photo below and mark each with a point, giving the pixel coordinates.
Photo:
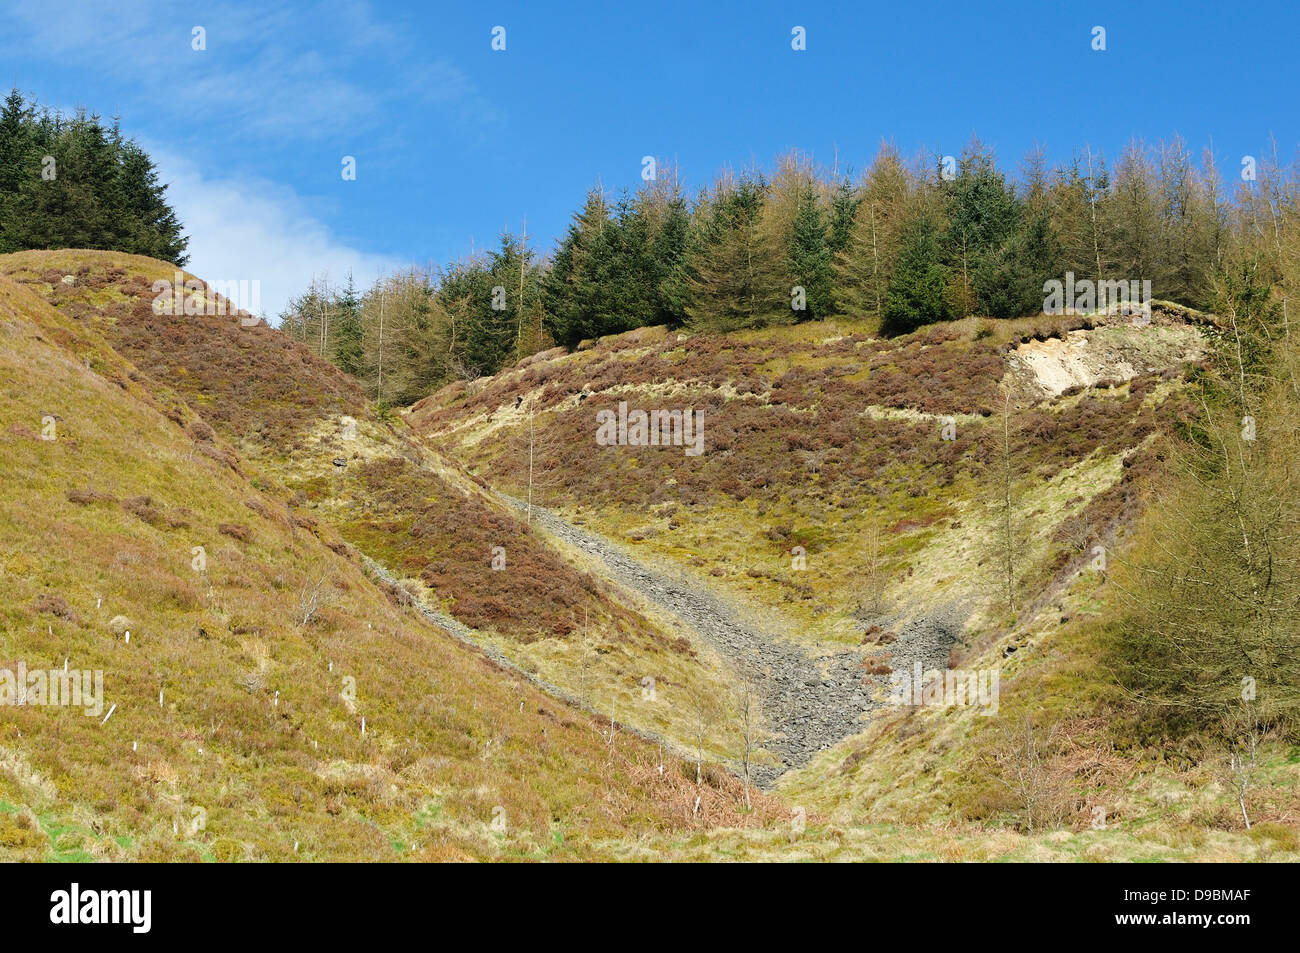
(916, 291)
(736, 280)
(152, 226)
(349, 335)
(623, 272)
(896, 244)
(677, 284)
(668, 249)
(571, 289)
(810, 256)
(503, 293)
(72, 183)
(15, 136)
(982, 213)
(1010, 281)
(844, 206)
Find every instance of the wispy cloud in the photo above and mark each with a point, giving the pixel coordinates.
(270, 70)
(279, 87)
(257, 230)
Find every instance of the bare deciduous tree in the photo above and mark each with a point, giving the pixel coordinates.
(1021, 764)
(538, 451)
(873, 598)
(752, 732)
(1242, 732)
(704, 713)
(1009, 539)
(314, 596)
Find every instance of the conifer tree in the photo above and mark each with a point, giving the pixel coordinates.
(810, 257)
(349, 335)
(668, 249)
(571, 290)
(1078, 217)
(1132, 205)
(982, 213)
(736, 280)
(1010, 280)
(864, 263)
(72, 183)
(844, 206)
(15, 135)
(916, 291)
(502, 291)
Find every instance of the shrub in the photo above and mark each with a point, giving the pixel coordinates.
(55, 605)
(235, 531)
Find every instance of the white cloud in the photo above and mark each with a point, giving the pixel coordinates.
(273, 75)
(250, 230)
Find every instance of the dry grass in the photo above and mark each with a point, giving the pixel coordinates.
(254, 391)
(257, 726)
(817, 436)
(823, 435)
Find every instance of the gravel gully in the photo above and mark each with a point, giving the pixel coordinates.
(809, 703)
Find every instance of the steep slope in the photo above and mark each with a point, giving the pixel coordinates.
(946, 500)
(842, 476)
(307, 433)
(262, 697)
(199, 424)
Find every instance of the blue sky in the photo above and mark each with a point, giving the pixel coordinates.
(455, 141)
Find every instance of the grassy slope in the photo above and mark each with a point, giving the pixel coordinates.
(915, 787)
(284, 410)
(822, 436)
(103, 520)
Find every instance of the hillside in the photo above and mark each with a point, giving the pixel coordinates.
(232, 716)
(307, 433)
(827, 438)
(908, 474)
(341, 542)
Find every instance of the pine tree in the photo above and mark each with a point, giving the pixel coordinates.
(668, 249)
(414, 338)
(1010, 281)
(916, 291)
(571, 288)
(982, 213)
(865, 262)
(15, 135)
(15, 146)
(1078, 217)
(1186, 258)
(810, 257)
(152, 226)
(101, 191)
(624, 272)
(1036, 196)
(844, 206)
(1133, 205)
(349, 335)
(503, 292)
(736, 279)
